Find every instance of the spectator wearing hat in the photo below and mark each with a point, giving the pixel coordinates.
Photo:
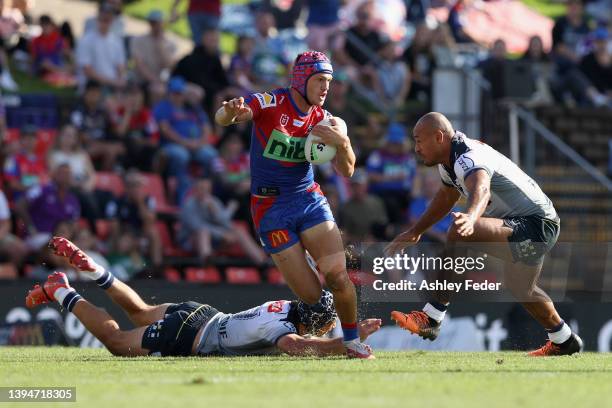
(153, 53)
(597, 65)
(363, 217)
(184, 130)
(391, 170)
(100, 53)
(24, 169)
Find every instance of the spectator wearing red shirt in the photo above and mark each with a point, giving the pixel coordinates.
(202, 15)
(25, 168)
(133, 122)
(50, 54)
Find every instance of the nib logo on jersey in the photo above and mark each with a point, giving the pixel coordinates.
(285, 148)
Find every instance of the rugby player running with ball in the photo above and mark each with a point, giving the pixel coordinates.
(290, 213)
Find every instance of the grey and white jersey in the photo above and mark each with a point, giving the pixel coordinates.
(513, 192)
(251, 332)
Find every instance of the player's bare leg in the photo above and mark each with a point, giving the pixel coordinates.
(138, 311)
(300, 277)
(324, 243)
(521, 279)
(96, 320)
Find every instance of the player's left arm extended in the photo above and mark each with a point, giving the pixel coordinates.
(296, 345)
(478, 185)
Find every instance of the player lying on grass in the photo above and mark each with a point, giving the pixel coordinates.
(190, 328)
(504, 206)
(290, 212)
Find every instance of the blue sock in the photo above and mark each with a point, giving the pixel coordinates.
(349, 331)
(106, 280)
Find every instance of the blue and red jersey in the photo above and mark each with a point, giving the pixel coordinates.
(278, 163)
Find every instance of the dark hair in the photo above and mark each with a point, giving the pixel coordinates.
(45, 19)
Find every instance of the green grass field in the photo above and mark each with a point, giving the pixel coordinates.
(410, 379)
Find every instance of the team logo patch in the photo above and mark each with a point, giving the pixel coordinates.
(284, 119)
(266, 100)
(278, 237)
(465, 162)
(276, 307)
(526, 249)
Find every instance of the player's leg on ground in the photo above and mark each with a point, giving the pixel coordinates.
(105, 328)
(97, 321)
(300, 277)
(139, 312)
(324, 243)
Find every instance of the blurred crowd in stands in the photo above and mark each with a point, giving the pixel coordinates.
(135, 171)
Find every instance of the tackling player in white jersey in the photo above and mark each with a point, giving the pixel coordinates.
(505, 206)
(190, 328)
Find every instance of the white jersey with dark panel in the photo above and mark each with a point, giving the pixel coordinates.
(251, 332)
(513, 192)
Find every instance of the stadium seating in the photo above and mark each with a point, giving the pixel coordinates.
(243, 276)
(168, 244)
(154, 187)
(203, 275)
(111, 182)
(172, 275)
(275, 277)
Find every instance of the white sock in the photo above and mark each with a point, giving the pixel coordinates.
(434, 313)
(561, 335)
(98, 273)
(61, 293)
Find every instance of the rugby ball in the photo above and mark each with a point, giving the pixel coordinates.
(317, 152)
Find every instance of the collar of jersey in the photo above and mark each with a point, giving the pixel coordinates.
(299, 112)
